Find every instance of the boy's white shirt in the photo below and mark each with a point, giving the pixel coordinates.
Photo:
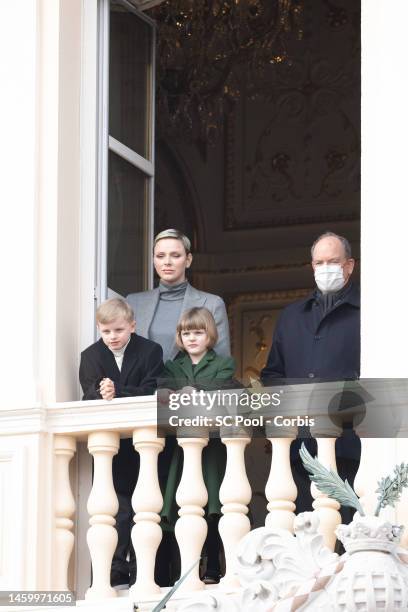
(118, 355)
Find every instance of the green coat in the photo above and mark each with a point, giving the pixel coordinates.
(210, 373)
(211, 369)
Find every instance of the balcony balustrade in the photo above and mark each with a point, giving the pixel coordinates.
(99, 424)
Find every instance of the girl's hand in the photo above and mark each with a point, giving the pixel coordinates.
(188, 389)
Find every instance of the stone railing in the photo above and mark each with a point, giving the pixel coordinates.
(100, 424)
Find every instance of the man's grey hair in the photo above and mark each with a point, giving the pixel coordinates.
(177, 235)
(343, 240)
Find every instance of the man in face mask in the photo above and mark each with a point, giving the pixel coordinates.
(319, 337)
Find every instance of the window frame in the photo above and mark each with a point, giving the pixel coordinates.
(107, 143)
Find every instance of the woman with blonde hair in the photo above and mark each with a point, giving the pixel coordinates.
(158, 311)
(157, 314)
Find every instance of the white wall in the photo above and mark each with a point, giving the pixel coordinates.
(40, 55)
(18, 197)
(59, 202)
(384, 252)
(384, 222)
(40, 72)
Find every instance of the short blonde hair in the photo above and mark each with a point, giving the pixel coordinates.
(177, 235)
(112, 309)
(197, 318)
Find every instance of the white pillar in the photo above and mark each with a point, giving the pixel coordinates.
(280, 489)
(235, 495)
(384, 214)
(64, 449)
(102, 506)
(327, 508)
(58, 204)
(18, 194)
(191, 496)
(147, 501)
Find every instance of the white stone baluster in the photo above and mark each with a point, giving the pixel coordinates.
(191, 496)
(280, 489)
(147, 501)
(102, 506)
(235, 495)
(64, 449)
(326, 508)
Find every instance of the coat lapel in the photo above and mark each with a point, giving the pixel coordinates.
(192, 299)
(186, 366)
(129, 358)
(110, 367)
(145, 316)
(203, 363)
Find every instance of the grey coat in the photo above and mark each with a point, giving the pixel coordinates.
(144, 306)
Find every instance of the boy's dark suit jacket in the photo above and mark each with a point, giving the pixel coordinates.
(142, 365)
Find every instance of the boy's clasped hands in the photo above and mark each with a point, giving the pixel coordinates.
(107, 389)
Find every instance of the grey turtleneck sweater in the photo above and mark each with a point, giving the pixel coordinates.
(164, 323)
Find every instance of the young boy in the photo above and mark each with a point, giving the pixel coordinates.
(121, 364)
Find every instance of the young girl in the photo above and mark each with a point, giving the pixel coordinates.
(198, 365)
(197, 362)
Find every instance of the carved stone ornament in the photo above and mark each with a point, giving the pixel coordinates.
(375, 574)
(281, 572)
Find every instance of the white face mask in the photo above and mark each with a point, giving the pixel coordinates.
(329, 277)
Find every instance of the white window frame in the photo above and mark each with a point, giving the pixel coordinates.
(107, 143)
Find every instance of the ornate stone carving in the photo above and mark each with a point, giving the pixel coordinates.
(292, 145)
(280, 572)
(375, 570)
(369, 533)
(272, 564)
(207, 603)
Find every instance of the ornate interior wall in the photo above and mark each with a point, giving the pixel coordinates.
(285, 169)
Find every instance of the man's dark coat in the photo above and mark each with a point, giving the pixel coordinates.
(310, 345)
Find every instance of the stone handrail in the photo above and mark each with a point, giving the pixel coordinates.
(101, 424)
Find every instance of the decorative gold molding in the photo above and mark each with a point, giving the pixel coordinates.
(256, 268)
(239, 306)
(262, 296)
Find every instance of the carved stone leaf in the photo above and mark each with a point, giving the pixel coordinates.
(208, 603)
(329, 482)
(255, 553)
(282, 559)
(258, 597)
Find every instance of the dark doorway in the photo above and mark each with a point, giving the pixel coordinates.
(276, 164)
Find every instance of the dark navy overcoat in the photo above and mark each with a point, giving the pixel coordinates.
(308, 344)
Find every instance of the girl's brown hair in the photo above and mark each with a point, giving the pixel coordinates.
(197, 318)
